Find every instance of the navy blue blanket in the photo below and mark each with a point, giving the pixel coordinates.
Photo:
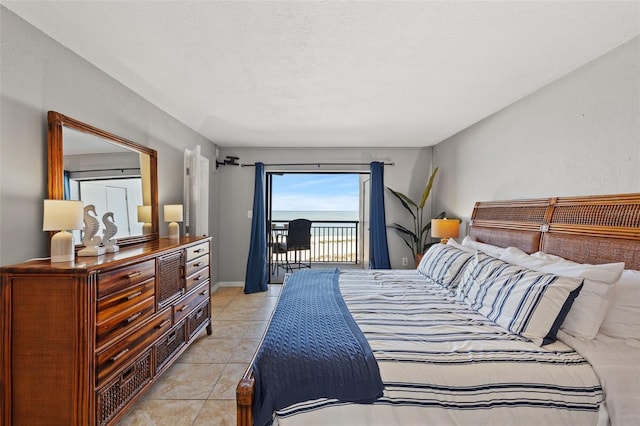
(312, 349)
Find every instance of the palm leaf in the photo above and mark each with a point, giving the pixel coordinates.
(427, 189)
(405, 201)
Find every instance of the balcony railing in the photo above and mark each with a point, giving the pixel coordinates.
(332, 241)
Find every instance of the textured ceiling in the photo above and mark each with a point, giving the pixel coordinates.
(353, 74)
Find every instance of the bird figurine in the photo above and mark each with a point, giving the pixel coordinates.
(89, 238)
(110, 229)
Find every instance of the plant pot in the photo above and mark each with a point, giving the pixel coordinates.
(418, 258)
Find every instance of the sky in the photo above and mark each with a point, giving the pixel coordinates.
(316, 192)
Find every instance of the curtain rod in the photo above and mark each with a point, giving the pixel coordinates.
(315, 164)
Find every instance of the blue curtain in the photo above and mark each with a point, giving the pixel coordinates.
(378, 249)
(256, 275)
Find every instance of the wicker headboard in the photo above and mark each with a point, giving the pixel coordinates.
(590, 229)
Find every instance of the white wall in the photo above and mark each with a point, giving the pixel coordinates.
(409, 175)
(580, 135)
(37, 74)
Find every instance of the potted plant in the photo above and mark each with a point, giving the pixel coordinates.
(417, 239)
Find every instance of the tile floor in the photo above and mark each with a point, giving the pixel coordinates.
(200, 387)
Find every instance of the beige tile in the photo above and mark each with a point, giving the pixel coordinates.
(163, 413)
(209, 350)
(228, 291)
(225, 388)
(231, 329)
(255, 329)
(221, 301)
(186, 381)
(237, 313)
(217, 412)
(244, 351)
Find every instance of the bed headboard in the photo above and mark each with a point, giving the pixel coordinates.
(589, 229)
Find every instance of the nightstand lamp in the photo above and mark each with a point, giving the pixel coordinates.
(62, 216)
(144, 217)
(173, 214)
(445, 229)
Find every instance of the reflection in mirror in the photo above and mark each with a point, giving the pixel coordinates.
(113, 174)
(106, 175)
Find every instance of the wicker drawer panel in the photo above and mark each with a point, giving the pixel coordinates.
(186, 305)
(197, 251)
(124, 311)
(123, 388)
(120, 279)
(198, 318)
(197, 278)
(170, 277)
(196, 264)
(169, 345)
(116, 356)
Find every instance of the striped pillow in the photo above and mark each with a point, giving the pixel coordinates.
(444, 264)
(528, 303)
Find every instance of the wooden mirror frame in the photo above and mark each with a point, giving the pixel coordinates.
(57, 123)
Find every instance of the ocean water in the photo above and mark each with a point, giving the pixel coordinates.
(314, 216)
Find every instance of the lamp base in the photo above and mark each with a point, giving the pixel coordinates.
(174, 230)
(444, 240)
(62, 247)
(146, 228)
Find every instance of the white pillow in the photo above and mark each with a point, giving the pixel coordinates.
(454, 243)
(590, 307)
(528, 303)
(444, 264)
(493, 251)
(622, 319)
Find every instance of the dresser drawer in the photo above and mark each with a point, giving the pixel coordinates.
(113, 281)
(197, 264)
(184, 306)
(169, 345)
(116, 356)
(197, 251)
(123, 388)
(197, 278)
(198, 318)
(123, 311)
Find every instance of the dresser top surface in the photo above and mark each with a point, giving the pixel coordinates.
(123, 257)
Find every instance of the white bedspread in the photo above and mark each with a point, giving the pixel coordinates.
(617, 364)
(445, 364)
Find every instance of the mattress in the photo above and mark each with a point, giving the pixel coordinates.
(443, 363)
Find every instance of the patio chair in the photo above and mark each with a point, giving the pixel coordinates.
(297, 239)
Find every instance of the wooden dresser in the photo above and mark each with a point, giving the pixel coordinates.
(82, 341)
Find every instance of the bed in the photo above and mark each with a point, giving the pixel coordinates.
(460, 340)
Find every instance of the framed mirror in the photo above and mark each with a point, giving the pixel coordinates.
(112, 173)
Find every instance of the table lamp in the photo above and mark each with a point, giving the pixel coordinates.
(444, 229)
(144, 217)
(62, 216)
(173, 214)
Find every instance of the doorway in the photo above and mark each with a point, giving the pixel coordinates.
(333, 202)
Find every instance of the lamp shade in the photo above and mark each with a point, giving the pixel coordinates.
(62, 215)
(173, 213)
(144, 214)
(445, 228)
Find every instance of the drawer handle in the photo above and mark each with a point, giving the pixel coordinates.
(127, 375)
(162, 324)
(120, 355)
(195, 265)
(198, 278)
(203, 292)
(134, 274)
(199, 314)
(171, 338)
(133, 295)
(133, 317)
(184, 308)
(200, 250)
